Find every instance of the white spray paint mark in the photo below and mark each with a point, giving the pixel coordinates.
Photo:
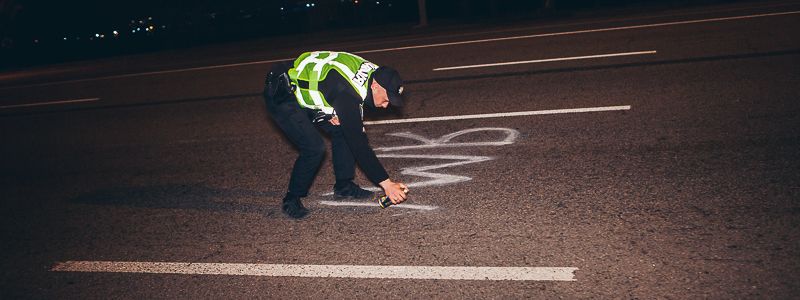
(436, 179)
(439, 179)
(444, 141)
(373, 204)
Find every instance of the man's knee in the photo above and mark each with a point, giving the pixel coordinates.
(313, 151)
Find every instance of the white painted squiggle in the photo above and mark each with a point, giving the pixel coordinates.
(437, 179)
(444, 141)
(440, 179)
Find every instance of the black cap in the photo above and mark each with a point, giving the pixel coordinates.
(389, 79)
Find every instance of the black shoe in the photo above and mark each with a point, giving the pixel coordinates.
(351, 190)
(293, 207)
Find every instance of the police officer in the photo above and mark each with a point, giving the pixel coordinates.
(329, 90)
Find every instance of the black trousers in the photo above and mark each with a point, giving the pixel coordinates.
(296, 124)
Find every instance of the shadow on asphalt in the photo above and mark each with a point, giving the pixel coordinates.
(186, 196)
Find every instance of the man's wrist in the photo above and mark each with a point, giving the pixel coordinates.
(385, 183)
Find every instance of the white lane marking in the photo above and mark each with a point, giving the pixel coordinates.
(51, 103)
(421, 46)
(546, 60)
(324, 271)
(583, 31)
(502, 115)
(375, 205)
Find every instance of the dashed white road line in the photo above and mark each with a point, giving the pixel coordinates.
(324, 271)
(502, 115)
(546, 60)
(50, 103)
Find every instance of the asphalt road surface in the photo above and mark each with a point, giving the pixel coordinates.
(640, 155)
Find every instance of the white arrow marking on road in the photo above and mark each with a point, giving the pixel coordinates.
(324, 271)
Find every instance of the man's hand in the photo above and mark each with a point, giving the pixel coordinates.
(334, 121)
(395, 190)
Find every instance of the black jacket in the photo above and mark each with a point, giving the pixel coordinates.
(345, 100)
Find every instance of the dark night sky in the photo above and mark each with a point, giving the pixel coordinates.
(82, 15)
(42, 18)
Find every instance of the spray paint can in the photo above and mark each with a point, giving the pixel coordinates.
(384, 201)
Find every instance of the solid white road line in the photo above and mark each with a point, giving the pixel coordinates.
(546, 60)
(324, 271)
(375, 205)
(51, 103)
(502, 115)
(585, 31)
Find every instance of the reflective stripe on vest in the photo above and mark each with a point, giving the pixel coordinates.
(312, 67)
